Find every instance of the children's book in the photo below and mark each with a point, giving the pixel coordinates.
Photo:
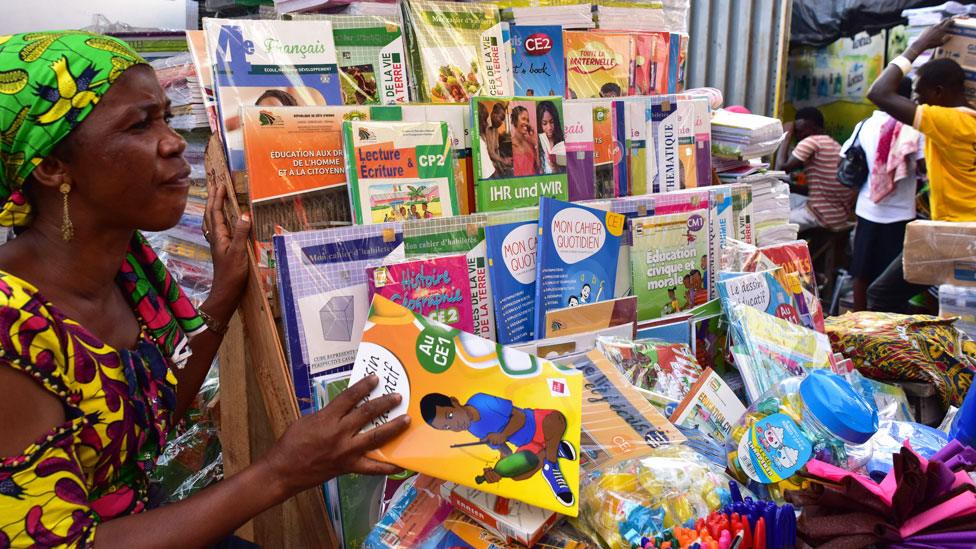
(577, 257)
(513, 521)
(458, 119)
(710, 406)
(437, 288)
(538, 61)
(598, 63)
(722, 220)
(670, 263)
(519, 151)
(511, 268)
(399, 170)
(371, 56)
(772, 292)
(269, 63)
(636, 132)
(580, 162)
(457, 50)
(793, 257)
(663, 371)
(483, 416)
(560, 347)
(590, 317)
(651, 62)
(458, 235)
(325, 297)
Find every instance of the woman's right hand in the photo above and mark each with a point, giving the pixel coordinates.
(329, 443)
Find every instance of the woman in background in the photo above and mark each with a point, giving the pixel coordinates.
(525, 149)
(551, 134)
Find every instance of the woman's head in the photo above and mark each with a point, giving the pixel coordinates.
(497, 115)
(276, 98)
(549, 122)
(520, 121)
(90, 118)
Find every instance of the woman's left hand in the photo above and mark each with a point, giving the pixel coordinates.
(229, 251)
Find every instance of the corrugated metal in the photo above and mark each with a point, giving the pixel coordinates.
(739, 47)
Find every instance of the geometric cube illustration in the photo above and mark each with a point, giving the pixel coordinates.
(337, 318)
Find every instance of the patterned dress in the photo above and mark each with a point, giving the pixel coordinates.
(118, 403)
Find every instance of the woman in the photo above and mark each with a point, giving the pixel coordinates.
(525, 153)
(100, 351)
(552, 135)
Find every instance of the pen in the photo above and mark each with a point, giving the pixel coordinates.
(760, 537)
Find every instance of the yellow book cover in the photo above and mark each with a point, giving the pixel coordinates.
(598, 63)
(483, 416)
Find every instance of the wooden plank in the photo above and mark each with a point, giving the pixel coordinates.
(234, 404)
(304, 521)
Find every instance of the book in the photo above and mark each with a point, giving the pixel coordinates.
(519, 523)
(554, 348)
(518, 146)
(793, 257)
(580, 162)
(371, 57)
(701, 110)
(636, 142)
(591, 317)
(325, 297)
(768, 291)
(511, 248)
(457, 51)
(663, 371)
(442, 374)
(742, 211)
(598, 63)
(651, 62)
(670, 262)
(269, 63)
(458, 235)
(677, 61)
(399, 170)
(722, 221)
(538, 61)
(711, 407)
(578, 248)
(595, 141)
(196, 41)
(671, 127)
(436, 288)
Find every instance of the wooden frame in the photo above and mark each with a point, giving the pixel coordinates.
(257, 399)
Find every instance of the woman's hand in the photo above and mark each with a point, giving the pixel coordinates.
(329, 443)
(229, 252)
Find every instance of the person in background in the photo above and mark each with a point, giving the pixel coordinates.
(525, 144)
(886, 201)
(945, 118)
(828, 203)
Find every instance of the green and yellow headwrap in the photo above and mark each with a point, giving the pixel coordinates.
(49, 83)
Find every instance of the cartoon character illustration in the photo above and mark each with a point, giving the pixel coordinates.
(585, 294)
(787, 457)
(773, 436)
(536, 435)
(573, 301)
(672, 306)
(694, 284)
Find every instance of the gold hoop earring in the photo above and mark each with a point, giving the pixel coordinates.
(67, 228)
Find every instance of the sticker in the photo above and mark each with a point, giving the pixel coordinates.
(773, 449)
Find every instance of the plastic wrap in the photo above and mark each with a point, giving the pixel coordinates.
(665, 371)
(890, 438)
(190, 462)
(959, 302)
(625, 500)
(890, 399)
(940, 252)
(178, 76)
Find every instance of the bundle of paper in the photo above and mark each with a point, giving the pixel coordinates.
(737, 135)
(569, 14)
(611, 15)
(179, 79)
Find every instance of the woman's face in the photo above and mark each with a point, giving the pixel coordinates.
(523, 123)
(125, 163)
(548, 124)
(270, 101)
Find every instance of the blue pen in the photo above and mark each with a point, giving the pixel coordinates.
(770, 515)
(734, 490)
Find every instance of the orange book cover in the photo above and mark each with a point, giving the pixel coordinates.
(598, 64)
(483, 416)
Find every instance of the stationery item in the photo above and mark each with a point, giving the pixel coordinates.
(325, 297)
(591, 317)
(437, 288)
(580, 151)
(417, 510)
(598, 64)
(665, 372)
(434, 367)
(457, 51)
(670, 263)
(371, 57)
(269, 63)
(743, 212)
(458, 120)
(578, 247)
(710, 406)
(519, 151)
(399, 170)
(538, 61)
(722, 222)
(511, 251)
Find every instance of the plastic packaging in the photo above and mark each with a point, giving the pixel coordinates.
(963, 426)
(889, 439)
(959, 302)
(664, 370)
(891, 400)
(818, 416)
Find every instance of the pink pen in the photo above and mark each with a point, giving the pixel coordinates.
(725, 540)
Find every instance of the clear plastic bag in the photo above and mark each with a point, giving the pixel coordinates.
(190, 462)
(664, 370)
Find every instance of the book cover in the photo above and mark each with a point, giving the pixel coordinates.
(793, 257)
(464, 394)
(677, 62)
(325, 297)
(196, 41)
(577, 258)
(580, 162)
(511, 268)
(457, 50)
(538, 61)
(711, 407)
(651, 62)
(681, 201)
(371, 57)
(458, 235)
(399, 170)
(663, 371)
(722, 220)
(591, 317)
(519, 151)
(458, 119)
(703, 140)
(671, 130)
(436, 288)
(554, 348)
(269, 63)
(598, 63)
(636, 132)
(742, 211)
(513, 521)
(670, 263)
(768, 291)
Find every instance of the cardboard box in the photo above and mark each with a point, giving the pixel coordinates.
(940, 252)
(961, 46)
(519, 523)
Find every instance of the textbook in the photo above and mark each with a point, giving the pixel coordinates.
(196, 41)
(578, 250)
(580, 164)
(511, 268)
(463, 393)
(399, 170)
(591, 317)
(598, 63)
(711, 407)
(371, 57)
(793, 257)
(269, 63)
(457, 51)
(651, 62)
(670, 262)
(519, 151)
(538, 61)
(595, 141)
(676, 129)
(772, 292)
(325, 297)
(436, 288)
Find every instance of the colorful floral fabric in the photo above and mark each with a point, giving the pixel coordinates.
(892, 347)
(119, 405)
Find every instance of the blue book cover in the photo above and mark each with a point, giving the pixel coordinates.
(538, 61)
(511, 271)
(578, 250)
(772, 292)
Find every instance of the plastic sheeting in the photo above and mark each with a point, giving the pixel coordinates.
(818, 23)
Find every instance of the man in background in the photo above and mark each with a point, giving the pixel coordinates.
(942, 114)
